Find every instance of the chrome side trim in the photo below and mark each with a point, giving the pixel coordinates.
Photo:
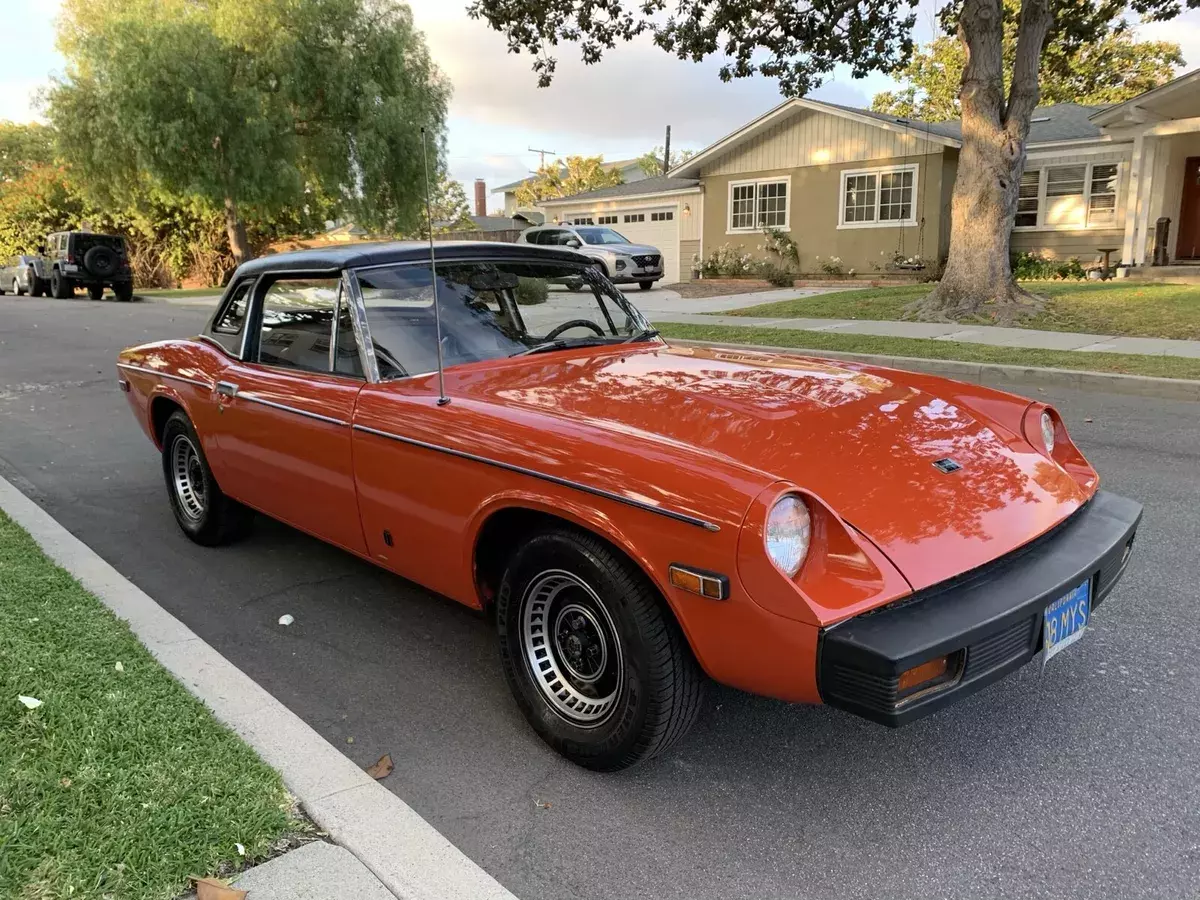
(553, 479)
(204, 384)
(253, 398)
(362, 331)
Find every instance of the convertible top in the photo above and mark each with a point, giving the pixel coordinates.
(370, 254)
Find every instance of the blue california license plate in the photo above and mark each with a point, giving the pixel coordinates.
(1066, 618)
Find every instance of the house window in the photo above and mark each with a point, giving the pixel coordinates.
(583, 220)
(662, 216)
(873, 197)
(606, 220)
(1102, 199)
(635, 217)
(756, 204)
(1075, 196)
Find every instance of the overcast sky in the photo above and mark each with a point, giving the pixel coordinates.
(618, 108)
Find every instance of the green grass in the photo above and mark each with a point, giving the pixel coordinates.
(1122, 363)
(180, 292)
(1115, 308)
(121, 784)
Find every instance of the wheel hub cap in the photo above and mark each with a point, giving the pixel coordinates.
(572, 648)
(188, 477)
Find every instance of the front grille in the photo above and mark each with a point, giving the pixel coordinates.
(649, 259)
(1002, 647)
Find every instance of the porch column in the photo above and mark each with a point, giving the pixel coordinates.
(1131, 201)
(1145, 193)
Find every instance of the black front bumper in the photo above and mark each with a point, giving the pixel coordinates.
(988, 620)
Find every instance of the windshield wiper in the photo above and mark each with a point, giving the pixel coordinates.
(644, 335)
(562, 344)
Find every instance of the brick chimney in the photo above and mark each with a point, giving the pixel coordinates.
(480, 197)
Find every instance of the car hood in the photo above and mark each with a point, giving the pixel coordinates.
(860, 442)
(626, 249)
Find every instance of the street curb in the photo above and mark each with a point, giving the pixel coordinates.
(411, 858)
(990, 373)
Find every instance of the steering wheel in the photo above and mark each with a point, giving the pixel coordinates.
(574, 323)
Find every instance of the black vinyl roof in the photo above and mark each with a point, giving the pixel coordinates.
(356, 255)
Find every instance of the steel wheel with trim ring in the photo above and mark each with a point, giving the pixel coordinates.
(204, 513)
(595, 659)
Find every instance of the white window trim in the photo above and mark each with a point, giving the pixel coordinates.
(787, 203)
(1043, 168)
(879, 170)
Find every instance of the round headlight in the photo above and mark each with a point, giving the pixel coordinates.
(1048, 431)
(789, 527)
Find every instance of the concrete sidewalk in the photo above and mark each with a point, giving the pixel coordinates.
(951, 331)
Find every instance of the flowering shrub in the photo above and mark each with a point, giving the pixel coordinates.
(832, 266)
(727, 260)
(1032, 267)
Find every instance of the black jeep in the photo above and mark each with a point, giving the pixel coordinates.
(75, 259)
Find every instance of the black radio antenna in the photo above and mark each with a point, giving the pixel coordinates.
(437, 312)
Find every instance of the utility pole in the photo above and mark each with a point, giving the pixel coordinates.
(543, 155)
(667, 152)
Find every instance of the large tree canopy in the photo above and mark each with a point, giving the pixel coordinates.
(564, 178)
(1114, 67)
(23, 147)
(799, 42)
(251, 105)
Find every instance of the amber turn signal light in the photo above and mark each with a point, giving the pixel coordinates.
(698, 581)
(918, 675)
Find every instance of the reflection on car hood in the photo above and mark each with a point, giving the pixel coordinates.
(864, 444)
(627, 249)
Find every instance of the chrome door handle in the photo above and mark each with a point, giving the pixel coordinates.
(227, 389)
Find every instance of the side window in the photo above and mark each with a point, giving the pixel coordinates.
(346, 361)
(233, 317)
(297, 323)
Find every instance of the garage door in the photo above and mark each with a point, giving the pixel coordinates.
(653, 225)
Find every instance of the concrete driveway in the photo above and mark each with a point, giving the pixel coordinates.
(1079, 782)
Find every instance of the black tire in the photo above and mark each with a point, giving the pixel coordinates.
(37, 287)
(209, 518)
(124, 292)
(95, 291)
(2, 291)
(645, 285)
(60, 288)
(653, 691)
(17, 289)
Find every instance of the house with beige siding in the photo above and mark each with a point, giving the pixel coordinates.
(870, 188)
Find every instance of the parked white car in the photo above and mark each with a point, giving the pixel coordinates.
(622, 261)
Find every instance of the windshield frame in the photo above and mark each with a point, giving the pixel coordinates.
(587, 273)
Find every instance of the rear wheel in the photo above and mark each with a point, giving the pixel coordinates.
(124, 292)
(645, 285)
(96, 291)
(60, 288)
(595, 661)
(17, 289)
(205, 514)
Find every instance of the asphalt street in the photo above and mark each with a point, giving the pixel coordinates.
(1080, 781)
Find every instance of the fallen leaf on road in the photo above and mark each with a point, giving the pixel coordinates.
(215, 889)
(29, 702)
(542, 804)
(1089, 420)
(383, 768)
(287, 620)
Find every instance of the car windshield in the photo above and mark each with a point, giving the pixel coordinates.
(490, 310)
(601, 236)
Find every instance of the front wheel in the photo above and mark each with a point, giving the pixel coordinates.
(37, 287)
(595, 660)
(95, 292)
(204, 513)
(17, 289)
(645, 285)
(124, 292)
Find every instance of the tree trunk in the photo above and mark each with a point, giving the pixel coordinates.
(235, 228)
(978, 278)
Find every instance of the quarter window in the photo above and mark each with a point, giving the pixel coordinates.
(297, 324)
(878, 197)
(755, 205)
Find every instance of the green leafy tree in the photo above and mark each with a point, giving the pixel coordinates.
(652, 163)
(448, 202)
(798, 42)
(250, 107)
(565, 178)
(1113, 68)
(22, 147)
(37, 202)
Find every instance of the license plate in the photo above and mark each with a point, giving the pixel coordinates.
(1065, 619)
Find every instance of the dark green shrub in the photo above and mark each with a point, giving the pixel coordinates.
(531, 291)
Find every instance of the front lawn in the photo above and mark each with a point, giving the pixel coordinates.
(1110, 308)
(816, 341)
(120, 784)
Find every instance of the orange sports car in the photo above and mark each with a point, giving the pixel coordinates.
(502, 426)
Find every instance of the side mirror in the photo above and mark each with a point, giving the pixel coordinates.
(574, 244)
